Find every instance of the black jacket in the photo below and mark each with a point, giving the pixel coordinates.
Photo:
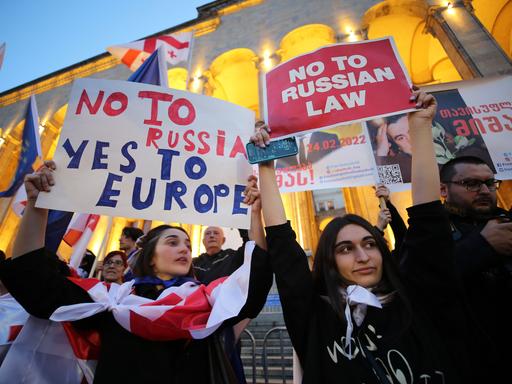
(34, 280)
(208, 268)
(487, 279)
(431, 348)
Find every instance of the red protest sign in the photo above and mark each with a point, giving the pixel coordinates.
(340, 83)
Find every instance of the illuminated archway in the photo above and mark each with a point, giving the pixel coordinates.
(496, 16)
(422, 54)
(233, 76)
(304, 39)
(177, 78)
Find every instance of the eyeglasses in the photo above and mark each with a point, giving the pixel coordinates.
(117, 263)
(474, 185)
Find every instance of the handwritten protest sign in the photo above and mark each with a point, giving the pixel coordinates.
(142, 151)
(336, 84)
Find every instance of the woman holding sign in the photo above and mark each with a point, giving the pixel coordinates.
(358, 318)
(158, 328)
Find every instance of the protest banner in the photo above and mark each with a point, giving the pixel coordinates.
(474, 118)
(333, 158)
(143, 151)
(337, 84)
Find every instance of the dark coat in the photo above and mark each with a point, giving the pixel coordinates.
(38, 285)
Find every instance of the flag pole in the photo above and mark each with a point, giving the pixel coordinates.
(189, 59)
(103, 246)
(162, 67)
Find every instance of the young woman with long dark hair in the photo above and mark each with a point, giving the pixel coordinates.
(358, 318)
(157, 348)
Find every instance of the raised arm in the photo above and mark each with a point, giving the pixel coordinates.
(35, 278)
(272, 205)
(32, 228)
(252, 197)
(425, 173)
(288, 260)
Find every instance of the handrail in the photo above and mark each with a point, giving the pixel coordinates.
(264, 352)
(253, 341)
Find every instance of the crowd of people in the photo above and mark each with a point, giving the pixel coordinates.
(431, 310)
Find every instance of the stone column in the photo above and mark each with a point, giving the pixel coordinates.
(473, 51)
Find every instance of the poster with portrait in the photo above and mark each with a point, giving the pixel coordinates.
(474, 118)
(331, 158)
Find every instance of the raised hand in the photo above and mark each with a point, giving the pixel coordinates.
(382, 191)
(499, 235)
(384, 219)
(261, 137)
(252, 194)
(426, 104)
(41, 180)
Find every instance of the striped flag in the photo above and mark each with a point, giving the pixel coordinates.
(190, 310)
(79, 234)
(176, 49)
(13, 318)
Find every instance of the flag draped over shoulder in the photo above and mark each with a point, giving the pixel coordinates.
(188, 311)
(176, 49)
(12, 319)
(30, 148)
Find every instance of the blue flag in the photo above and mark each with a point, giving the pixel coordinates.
(152, 71)
(56, 226)
(30, 148)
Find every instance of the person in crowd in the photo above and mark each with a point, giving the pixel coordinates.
(86, 264)
(151, 352)
(128, 242)
(388, 214)
(114, 265)
(217, 262)
(358, 318)
(483, 245)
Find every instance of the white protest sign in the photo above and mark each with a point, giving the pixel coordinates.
(143, 151)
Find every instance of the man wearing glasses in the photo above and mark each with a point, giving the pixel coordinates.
(483, 249)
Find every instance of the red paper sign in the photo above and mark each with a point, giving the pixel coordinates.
(336, 84)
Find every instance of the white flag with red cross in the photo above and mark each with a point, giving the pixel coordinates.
(176, 49)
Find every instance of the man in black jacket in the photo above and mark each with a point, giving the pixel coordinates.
(483, 252)
(213, 264)
(217, 262)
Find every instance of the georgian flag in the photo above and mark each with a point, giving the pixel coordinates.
(189, 311)
(12, 319)
(176, 49)
(78, 235)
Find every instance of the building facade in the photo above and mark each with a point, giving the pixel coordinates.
(237, 40)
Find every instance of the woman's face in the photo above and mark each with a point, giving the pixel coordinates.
(357, 256)
(172, 256)
(113, 269)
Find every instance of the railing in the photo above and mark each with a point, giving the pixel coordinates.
(253, 358)
(281, 330)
